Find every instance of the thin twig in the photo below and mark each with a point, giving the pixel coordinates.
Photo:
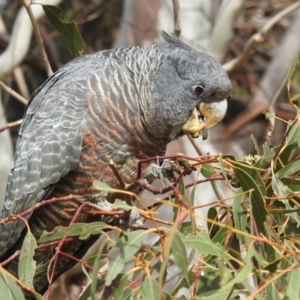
(176, 8)
(273, 107)
(54, 259)
(259, 37)
(195, 145)
(38, 36)
(21, 83)
(9, 90)
(10, 125)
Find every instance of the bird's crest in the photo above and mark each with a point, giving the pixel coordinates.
(173, 39)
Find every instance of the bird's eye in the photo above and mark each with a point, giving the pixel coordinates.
(198, 90)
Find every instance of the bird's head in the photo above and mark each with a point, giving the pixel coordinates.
(189, 91)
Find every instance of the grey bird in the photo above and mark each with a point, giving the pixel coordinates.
(119, 105)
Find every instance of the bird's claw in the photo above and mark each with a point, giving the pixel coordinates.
(128, 219)
(169, 169)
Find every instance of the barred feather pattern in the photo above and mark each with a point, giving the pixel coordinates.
(120, 105)
(72, 129)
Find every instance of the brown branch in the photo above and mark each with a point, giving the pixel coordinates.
(176, 9)
(55, 257)
(11, 125)
(38, 36)
(12, 257)
(117, 174)
(14, 94)
(258, 38)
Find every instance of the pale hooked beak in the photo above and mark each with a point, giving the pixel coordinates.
(203, 117)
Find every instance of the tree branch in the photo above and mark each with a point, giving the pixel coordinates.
(38, 36)
(258, 38)
(13, 93)
(176, 8)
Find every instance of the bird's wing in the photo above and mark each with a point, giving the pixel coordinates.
(49, 143)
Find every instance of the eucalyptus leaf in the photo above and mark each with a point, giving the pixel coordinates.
(27, 264)
(150, 289)
(250, 180)
(124, 250)
(84, 230)
(68, 31)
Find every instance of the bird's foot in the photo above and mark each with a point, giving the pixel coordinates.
(128, 219)
(169, 169)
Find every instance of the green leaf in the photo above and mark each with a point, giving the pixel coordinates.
(181, 187)
(150, 289)
(294, 134)
(68, 31)
(218, 295)
(186, 228)
(120, 204)
(243, 273)
(293, 287)
(250, 179)
(292, 183)
(125, 248)
(220, 236)
(102, 186)
(203, 244)
(93, 228)
(289, 169)
(255, 144)
(129, 294)
(115, 268)
(179, 252)
(239, 213)
(10, 290)
(282, 190)
(83, 230)
(266, 158)
(272, 293)
(86, 294)
(285, 154)
(119, 291)
(207, 170)
(212, 215)
(94, 283)
(27, 264)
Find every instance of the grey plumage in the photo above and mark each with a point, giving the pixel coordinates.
(121, 104)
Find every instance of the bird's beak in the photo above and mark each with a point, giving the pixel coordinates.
(203, 117)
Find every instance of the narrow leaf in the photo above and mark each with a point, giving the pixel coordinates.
(115, 268)
(150, 289)
(255, 143)
(77, 229)
(294, 134)
(68, 31)
(125, 248)
(212, 215)
(289, 169)
(9, 289)
(282, 190)
(94, 283)
(27, 264)
(218, 295)
(250, 179)
(86, 294)
(120, 204)
(272, 293)
(119, 291)
(239, 213)
(179, 252)
(203, 244)
(293, 287)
